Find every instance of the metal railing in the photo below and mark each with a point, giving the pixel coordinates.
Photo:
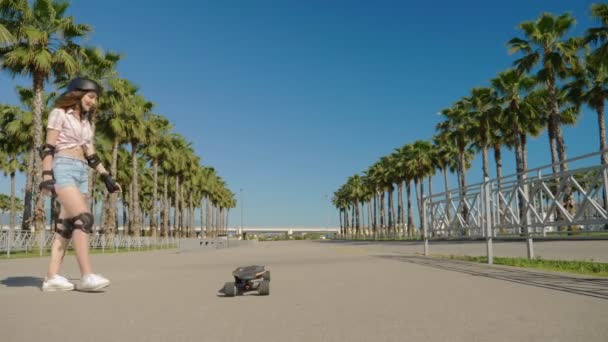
(537, 203)
(40, 242)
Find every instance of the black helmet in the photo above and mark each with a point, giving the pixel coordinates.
(85, 84)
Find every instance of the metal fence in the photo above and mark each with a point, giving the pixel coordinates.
(537, 203)
(40, 242)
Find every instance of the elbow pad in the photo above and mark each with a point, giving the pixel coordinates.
(46, 150)
(93, 160)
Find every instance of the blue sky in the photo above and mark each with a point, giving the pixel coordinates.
(287, 99)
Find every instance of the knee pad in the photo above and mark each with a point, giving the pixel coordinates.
(85, 224)
(67, 230)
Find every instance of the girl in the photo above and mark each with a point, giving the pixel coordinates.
(65, 156)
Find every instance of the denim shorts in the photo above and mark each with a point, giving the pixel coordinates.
(71, 172)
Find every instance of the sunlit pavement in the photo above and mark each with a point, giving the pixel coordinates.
(320, 291)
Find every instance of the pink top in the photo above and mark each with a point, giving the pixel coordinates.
(73, 132)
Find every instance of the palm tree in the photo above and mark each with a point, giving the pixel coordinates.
(599, 35)
(511, 86)
(455, 129)
(157, 129)
(354, 187)
(6, 38)
(5, 205)
(135, 134)
(113, 125)
(420, 165)
(544, 44)
(406, 175)
(590, 87)
(446, 158)
(13, 144)
(22, 129)
(482, 106)
(44, 46)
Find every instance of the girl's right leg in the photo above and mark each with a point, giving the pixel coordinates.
(73, 202)
(58, 248)
(53, 281)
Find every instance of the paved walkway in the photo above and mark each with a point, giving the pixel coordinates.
(319, 292)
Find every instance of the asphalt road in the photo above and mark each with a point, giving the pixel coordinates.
(320, 291)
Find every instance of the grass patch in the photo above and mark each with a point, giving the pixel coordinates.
(45, 253)
(597, 269)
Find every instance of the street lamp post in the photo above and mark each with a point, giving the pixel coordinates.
(241, 195)
(328, 211)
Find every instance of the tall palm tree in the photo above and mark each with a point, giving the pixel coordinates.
(511, 87)
(406, 175)
(135, 135)
(6, 38)
(455, 129)
(590, 87)
(482, 106)
(355, 190)
(157, 129)
(545, 44)
(22, 128)
(446, 158)
(113, 125)
(420, 165)
(13, 145)
(599, 35)
(45, 45)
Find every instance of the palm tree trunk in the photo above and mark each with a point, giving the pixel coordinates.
(463, 182)
(486, 166)
(420, 199)
(28, 197)
(430, 221)
(352, 218)
(11, 218)
(184, 207)
(176, 223)
(557, 127)
(346, 225)
(369, 217)
(358, 216)
(166, 209)
(375, 223)
(410, 210)
(134, 211)
(201, 213)
(342, 233)
(391, 209)
(602, 128)
(153, 213)
(191, 219)
(524, 152)
(125, 207)
(400, 208)
(207, 221)
(39, 214)
(552, 146)
(382, 214)
(498, 161)
(447, 192)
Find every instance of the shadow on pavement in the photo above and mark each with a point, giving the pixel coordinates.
(593, 287)
(22, 282)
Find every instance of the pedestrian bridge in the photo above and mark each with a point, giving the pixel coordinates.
(288, 230)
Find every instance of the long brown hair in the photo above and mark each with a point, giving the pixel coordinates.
(72, 100)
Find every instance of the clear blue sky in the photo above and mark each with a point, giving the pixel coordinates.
(287, 99)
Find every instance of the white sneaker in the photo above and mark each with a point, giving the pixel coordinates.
(56, 283)
(93, 282)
